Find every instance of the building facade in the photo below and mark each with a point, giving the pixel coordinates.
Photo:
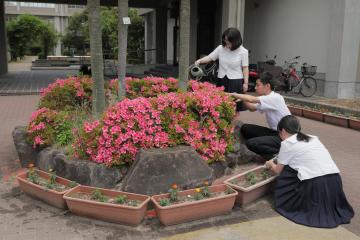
(324, 33)
(56, 14)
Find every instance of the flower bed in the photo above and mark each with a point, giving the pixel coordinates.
(200, 118)
(145, 87)
(324, 115)
(67, 94)
(48, 127)
(196, 118)
(125, 127)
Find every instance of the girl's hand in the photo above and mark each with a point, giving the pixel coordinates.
(269, 164)
(197, 62)
(245, 87)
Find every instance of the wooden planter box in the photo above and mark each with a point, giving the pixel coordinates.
(189, 211)
(251, 193)
(49, 196)
(354, 123)
(109, 212)
(296, 111)
(336, 120)
(313, 115)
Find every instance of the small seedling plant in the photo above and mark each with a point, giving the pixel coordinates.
(200, 193)
(47, 183)
(251, 178)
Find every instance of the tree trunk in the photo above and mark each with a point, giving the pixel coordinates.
(184, 43)
(123, 8)
(97, 64)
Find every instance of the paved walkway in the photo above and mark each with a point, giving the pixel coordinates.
(21, 80)
(22, 217)
(30, 82)
(275, 228)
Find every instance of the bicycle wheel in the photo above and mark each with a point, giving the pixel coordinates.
(308, 87)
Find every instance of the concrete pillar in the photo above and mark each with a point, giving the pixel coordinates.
(57, 26)
(193, 30)
(233, 14)
(3, 40)
(342, 78)
(150, 38)
(161, 31)
(357, 84)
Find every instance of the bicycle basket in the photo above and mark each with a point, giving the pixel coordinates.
(308, 70)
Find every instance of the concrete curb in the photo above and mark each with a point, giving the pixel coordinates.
(331, 108)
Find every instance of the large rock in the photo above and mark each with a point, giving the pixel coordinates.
(27, 154)
(245, 155)
(80, 171)
(218, 168)
(155, 170)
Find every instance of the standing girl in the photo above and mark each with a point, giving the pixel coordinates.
(233, 58)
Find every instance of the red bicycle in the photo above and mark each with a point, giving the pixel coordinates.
(305, 84)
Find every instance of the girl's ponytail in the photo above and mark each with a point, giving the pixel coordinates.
(292, 125)
(302, 137)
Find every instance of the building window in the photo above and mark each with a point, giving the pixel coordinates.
(37, 5)
(10, 3)
(8, 19)
(75, 6)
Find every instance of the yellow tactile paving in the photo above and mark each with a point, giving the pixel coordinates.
(276, 228)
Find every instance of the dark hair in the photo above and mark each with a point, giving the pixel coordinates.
(233, 35)
(292, 125)
(267, 78)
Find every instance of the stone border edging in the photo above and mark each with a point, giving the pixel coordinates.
(329, 107)
(326, 118)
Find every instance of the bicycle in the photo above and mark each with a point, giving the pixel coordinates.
(305, 84)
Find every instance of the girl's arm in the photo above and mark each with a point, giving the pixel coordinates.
(203, 60)
(246, 78)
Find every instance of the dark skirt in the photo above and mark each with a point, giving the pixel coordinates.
(232, 86)
(317, 202)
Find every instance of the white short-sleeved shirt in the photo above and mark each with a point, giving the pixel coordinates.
(274, 107)
(231, 62)
(311, 159)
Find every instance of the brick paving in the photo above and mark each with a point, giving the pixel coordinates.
(22, 217)
(30, 82)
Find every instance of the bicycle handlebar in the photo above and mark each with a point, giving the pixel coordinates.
(294, 58)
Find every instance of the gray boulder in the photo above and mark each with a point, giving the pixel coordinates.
(27, 154)
(218, 168)
(245, 155)
(81, 171)
(155, 170)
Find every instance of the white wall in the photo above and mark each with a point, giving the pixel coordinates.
(287, 28)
